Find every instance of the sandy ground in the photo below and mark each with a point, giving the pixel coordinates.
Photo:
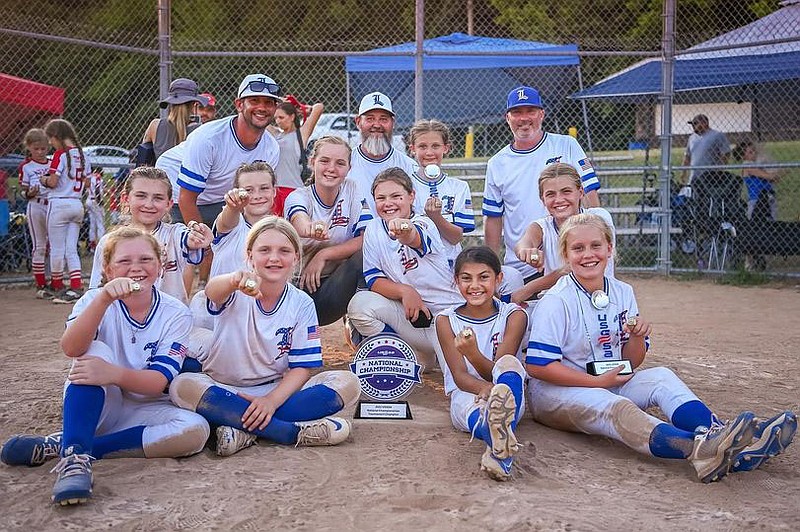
(736, 347)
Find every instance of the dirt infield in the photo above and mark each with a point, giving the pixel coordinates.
(737, 348)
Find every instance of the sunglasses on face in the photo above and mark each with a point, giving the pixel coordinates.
(261, 86)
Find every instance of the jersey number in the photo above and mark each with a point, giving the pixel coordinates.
(78, 186)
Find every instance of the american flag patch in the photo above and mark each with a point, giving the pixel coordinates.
(313, 333)
(177, 350)
(585, 164)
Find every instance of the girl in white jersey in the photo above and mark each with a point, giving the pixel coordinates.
(406, 269)
(330, 215)
(588, 319)
(65, 182)
(481, 343)
(126, 340)
(256, 380)
(149, 198)
(561, 191)
(30, 180)
(251, 199)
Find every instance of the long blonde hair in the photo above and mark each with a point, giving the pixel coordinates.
(180, 115)
(580, 220)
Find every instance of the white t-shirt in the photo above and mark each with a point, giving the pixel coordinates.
(345, 219)
(552, 257)
(158, 343)
(489, 334)
(426, 269)
(70, 175)
(175, 256)
(364, 169)
(170, 162)
(456, 205)
(512, 186)
(253, 345)
(212, 154)
(566, 327)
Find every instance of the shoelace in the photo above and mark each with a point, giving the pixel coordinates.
(50, 448)
(313, 433)
(73, 464)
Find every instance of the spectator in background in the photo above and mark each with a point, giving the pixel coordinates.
(292, 135)
(705, 147)
(207, 112)
(182, 102)
(759, 181)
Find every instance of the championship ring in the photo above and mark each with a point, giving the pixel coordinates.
(318, 228)
(534, 257)
(242, 193)
(135, 287)
(631, 321)
(250, 284)
(404, 226)
(387, 371)
(467, 332)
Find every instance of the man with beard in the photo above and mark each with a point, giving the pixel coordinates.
(214, 151)
(510, 199)
(375, 121)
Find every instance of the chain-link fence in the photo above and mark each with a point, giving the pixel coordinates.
(598, 66)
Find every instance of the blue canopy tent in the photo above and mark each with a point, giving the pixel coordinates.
(463, 90)
(745, 71)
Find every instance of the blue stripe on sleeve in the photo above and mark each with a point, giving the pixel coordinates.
(306, 351)
(294, 210)
(538, 361)
(307, 364)
(547, 348)
(167, 361)
(191, 175)
(164, 371)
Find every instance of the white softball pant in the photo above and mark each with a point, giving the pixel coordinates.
(37, 227)
(617, 413)
(370, 312)
(463, 404)
(64, 219)
(97, 226)
(170, 432)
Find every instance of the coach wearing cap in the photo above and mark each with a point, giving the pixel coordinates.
(511, 194)
(705, 147)
(216, 149)
(375, 122)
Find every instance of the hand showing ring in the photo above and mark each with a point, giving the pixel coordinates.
(404, 226)
(135, 287)
(250, 284)
(467, 332)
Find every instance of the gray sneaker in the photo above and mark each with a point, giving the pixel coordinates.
(716, 447)
(74, 482)
(67, 296)
(46, 293)
(231, 440)
(500, 410)
(31, 450)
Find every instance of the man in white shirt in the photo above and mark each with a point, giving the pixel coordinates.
(375, 121)
(511, 195)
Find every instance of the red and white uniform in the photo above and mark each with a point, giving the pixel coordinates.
(65, 213)
(30, 175)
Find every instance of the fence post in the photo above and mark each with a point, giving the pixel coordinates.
(164, 51)
(419, 16)
(664, 260)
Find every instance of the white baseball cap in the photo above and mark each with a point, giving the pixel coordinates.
(259, 85)
(375, 100)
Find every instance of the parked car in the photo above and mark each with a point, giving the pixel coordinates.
(344, 126)
(10, 162)
(111, 158)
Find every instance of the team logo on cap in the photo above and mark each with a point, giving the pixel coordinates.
(386, 367)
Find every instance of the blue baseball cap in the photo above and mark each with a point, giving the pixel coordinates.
(524, 96)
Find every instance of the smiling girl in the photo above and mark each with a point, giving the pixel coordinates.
(256, 380)
(149, 198)
(127, 341)
(330, 215)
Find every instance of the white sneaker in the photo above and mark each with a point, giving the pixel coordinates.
(716, 447)
(501, 407)
(497, 469)
(326, 431)
(231, 441)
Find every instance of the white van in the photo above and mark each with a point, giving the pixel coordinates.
(344, 126)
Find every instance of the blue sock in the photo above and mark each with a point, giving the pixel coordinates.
(667, 441)
(126, 442)
(478, 427)
(691, 415)
(83, 405)
(513, 381)
(314, 402)
(191, 365)
(221, 407)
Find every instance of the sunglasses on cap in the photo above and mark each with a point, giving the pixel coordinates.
(260, 86)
